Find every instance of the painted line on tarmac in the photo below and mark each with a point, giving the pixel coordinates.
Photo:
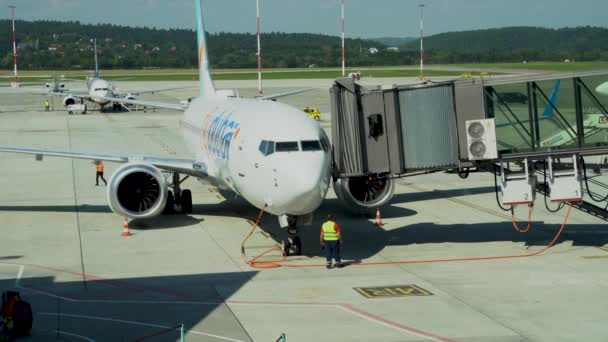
(360, 313)
(466, 204)
(19, 275)
(114, 320)
(354, 311)
(61, 332)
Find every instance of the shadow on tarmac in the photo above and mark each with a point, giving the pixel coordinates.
(129, 309)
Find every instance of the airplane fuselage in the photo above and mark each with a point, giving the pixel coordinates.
(98, 89)
(269, 153)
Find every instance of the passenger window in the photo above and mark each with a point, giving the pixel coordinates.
(287, 146)
(311, 145)
(376, 128)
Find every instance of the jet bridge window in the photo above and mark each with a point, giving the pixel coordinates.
(287, 146)
(311, 145)
(376, 128)
(267, 147)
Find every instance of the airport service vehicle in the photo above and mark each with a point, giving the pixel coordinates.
(266, 152)
(313, 113)
(355, 74)
(514, 97)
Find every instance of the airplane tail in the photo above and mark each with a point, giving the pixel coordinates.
(206, 84)
(552, 100)
(96, 63)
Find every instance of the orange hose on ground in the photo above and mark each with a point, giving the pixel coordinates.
(254, 263)
(517, 228)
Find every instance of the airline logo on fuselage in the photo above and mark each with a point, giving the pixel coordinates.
(220, 134)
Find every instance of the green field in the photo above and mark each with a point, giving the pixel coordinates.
(319, 73)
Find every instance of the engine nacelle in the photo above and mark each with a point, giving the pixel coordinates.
(364, 193)
(69, 100)
(137, 190)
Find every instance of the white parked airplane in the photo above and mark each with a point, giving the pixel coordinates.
(99, 91)
(273, 155)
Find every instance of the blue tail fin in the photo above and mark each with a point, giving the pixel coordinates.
(206, 84)
(552, 100)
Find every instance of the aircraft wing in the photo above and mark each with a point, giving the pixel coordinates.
(140, 92)
(287, 93)
(186, 166)
(174, 106)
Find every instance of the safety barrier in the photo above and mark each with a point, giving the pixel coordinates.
(163, 332)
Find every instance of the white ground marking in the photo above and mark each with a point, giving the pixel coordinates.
(61, 332)
(194, 332)
(19, 275)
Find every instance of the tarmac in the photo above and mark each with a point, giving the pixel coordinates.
(62, 248)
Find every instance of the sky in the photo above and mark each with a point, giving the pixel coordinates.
(364, 18)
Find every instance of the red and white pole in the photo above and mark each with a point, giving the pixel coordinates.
(257, 5)
(12, 7)
(343, 53)
(421, 45)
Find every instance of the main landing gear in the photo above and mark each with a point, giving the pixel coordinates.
(178, 200)
(293, 244)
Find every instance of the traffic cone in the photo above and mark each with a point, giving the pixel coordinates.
(125, 228)
(378, 218)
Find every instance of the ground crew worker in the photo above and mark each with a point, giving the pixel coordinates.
(100, 168)
(47, 106)
(331, 239)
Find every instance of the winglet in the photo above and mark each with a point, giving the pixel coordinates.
(96, 63)
(549, 107)
(206, 84)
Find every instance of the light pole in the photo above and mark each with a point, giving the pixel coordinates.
(16, 76)
(257, 6)
(343, 52)
(421, 76)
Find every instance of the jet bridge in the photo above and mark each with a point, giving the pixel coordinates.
(381, 134)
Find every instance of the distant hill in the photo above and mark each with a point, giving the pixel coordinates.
(68, 45)
(513, 38)
(393, 41)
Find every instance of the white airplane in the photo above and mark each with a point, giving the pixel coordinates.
(99, 91)
(602, 88)
(272, 155)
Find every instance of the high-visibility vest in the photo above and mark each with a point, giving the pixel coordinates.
(329, 231)
(99, 167)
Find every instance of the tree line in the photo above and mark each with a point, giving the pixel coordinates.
(68, 45)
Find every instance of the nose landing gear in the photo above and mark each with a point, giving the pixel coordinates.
(293, 244)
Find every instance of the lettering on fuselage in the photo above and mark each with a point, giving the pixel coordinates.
(220, 133)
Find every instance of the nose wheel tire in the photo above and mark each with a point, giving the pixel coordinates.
(292, 246)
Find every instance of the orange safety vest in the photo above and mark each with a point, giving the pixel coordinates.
(100, 167)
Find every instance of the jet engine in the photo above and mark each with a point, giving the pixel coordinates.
(69, 100)
(137, 190)
(364, 193)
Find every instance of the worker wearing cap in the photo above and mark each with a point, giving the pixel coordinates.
(100, 168)
(331, 239)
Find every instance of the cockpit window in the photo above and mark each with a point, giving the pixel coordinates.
(311, 145)
(267, 147)
(287, 146)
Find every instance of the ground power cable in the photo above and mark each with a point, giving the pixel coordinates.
(84, 279)
(282, 262)
(587, 183)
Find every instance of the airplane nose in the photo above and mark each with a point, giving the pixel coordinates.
(602, 88)
(306, 188)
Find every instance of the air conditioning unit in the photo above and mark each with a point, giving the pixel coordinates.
(481, 139)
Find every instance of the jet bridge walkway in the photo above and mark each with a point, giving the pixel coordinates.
(473, 123)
